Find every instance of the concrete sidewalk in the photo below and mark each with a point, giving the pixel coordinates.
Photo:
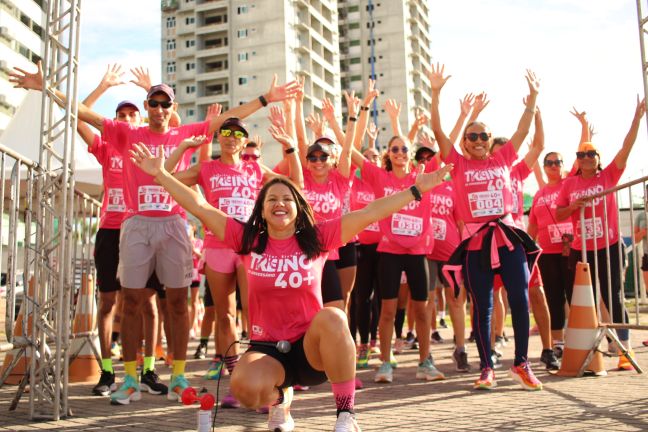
(618, 402)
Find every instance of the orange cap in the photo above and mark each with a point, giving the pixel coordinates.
(586, 146)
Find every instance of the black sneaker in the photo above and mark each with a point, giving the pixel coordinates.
(497, 363)
(461, 361)
(442, 323)
(471, 338)
(410, 340)
(548, 357)
(105, 385)
(436, 337)
(149, 381)
(201, 351)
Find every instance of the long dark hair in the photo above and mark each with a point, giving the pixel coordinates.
(255, 231)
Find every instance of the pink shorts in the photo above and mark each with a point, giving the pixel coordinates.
(222, 260)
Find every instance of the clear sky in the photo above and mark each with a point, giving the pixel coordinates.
(585, 52)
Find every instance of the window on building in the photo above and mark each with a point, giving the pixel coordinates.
(242, 33)
(243, 9)
(215, 19)
(190, 20)
(354, 43)
(190, 66)
(191, 112)
(354, 60)
(242, 80)
(243, 57)
(355, 78)
(170, 22)
(191, 89)
(171, 67)
(354, 26)
(352, 9)
(170, 44)
(190, 43)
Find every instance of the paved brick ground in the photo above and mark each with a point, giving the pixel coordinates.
(618, 402)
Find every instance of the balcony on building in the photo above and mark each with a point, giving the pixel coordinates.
(169, 5)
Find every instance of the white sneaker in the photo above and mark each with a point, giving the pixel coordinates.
(279, 418)
(384, 374)
(346, 422)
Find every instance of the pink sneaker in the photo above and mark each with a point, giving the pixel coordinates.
(263, 410)
(230, 401)
(524, 376)
(298, 387)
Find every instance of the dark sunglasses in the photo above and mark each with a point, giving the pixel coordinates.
(321, 158)
(164, 104)
(249, 157)
(228, 132)
(589, 153)
(473, 136)
(426, 158)
(550, 163)
(396, 149)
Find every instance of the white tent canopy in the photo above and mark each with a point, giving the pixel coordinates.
(22, 135)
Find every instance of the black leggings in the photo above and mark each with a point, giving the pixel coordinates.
(618, 311)
(389, 271)
(554, 269)
(331, 286)
(365, 284)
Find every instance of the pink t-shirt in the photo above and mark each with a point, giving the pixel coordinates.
(232, 189)
(577, 187)
(361, 195)
(519, 173)
(112, 206)
(327, 199)
(483, 190)
(406, 231)
(284, 287)
(543, 216)
(141, 194)
(443, 223)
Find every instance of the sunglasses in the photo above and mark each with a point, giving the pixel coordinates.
(396, 149)
(427, 158)
(473, 136)
(590, 154)
(164, 104)
(321, 158)
(228, 132)
(250, 157)
(550, 163)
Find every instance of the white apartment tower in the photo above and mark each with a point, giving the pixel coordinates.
(226, 51)
(22, 28)
(389, 40)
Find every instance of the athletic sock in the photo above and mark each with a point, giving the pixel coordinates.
(230, 362)
(130, 368)
(149, 363)
(344, 394)
(178, 367)
(106, 364)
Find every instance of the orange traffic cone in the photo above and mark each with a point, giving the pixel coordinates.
(85, 358)
(23, 355)
(582, 328)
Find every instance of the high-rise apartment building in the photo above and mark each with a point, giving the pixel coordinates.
(226, 51)
(22, 29)
(388, 40)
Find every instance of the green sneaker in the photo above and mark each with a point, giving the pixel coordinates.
(384, 374)
(129, 391)
(428, 372)
(176, 387)
(215, 369)
(363, 357)
(392, 360)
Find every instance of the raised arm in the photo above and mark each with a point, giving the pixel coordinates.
(465, 108)
(344, 164)
(372, 135)
(294, 166)
(20, 78)
(524, 124)
(300, 126)
(537, 145)
(113, 77)
(275, 94)
(479, 104)
(328, 111)
(621, 157)
(393, 109)
(437, 81)
(421, 119)
(189, 199)
(356, 221)
(189, 143)
(142, 78)
(363, 118)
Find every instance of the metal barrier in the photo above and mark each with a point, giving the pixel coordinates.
(591, 229)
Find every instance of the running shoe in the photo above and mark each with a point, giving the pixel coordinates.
(524, 376)
(548, 357)
(201, 351)
(358, 384)
(129, 391)
(436, 337)
(346, 422)
(279, 418)
(263, 410)
(392, 360)
(105, 385)
(410, 340)
(486, 380)
(298, 387)
(461, 361)
(375, 349)
(363, 357)
(159, 352)
(115, 350)
(428, 372)
(558, 349)
(399, 346)
(472, 338)
(442, 323)
(497, 363)
(624, 363)
(150, 382)
(385, 373)
(176, 387)
(215, 369)
(230, 401)
(500, 341)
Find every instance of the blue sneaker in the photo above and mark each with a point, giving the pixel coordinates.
(215, 369)
(176, 387)
(129, 391)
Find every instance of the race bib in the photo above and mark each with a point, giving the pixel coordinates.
(116, 200)
(153, 198)
(556, 231)
(486, 203)
(373, 227)
(238, 208)
(591, 227)
(406, 225)
(439, 228)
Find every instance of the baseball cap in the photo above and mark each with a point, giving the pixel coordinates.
(235, 121)
(126, 103)
(421, 150)
(586, 146)
(322, 144)
(161, 88)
